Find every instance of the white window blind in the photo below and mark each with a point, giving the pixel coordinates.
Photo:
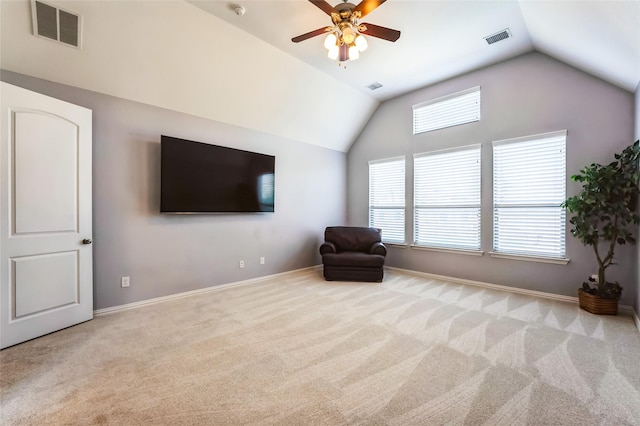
(386, 198)
(447, 198)
(529, 186)
(452, 110)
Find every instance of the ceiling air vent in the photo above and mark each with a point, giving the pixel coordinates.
(55, 24)
(375, 85)
(494, 38)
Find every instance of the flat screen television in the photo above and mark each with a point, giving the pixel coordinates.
(196, 177)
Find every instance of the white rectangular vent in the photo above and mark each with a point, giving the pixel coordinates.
(375, 85)
(55, 24)
(494, 38)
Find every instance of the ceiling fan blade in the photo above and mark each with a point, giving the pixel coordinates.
(381, 32)
(310, 34)
(367, 6)
(324, 6)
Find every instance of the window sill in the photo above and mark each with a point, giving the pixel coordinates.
(397, 245)
(553, 260)
(449, 250)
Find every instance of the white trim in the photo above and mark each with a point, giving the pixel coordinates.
(449, 250)
(114, 309)
(629, 310)
(156, 300)
(447, 150)
(548, 135)
(556, 261)
(388, 160)
(544, 295)
(552, 296)
(446, 97)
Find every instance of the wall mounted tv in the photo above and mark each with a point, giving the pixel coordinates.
(196, 177)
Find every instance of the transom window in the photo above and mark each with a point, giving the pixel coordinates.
(451, 110)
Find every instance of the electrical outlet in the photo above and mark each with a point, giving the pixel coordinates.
(262, 260)
(241, 264)
(125, 281)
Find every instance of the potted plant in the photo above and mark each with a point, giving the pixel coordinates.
(603, 215)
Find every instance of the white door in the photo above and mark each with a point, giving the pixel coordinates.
(46, 273)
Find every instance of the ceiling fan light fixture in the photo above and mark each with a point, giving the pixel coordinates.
(344, 39)
(354, 53)
(333, 52)
(361, 43)
(348, 35)
(330, 40)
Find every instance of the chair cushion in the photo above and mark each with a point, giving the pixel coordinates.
(352, 238)
(340, 273)
(353, 259)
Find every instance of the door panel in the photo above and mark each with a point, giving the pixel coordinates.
(45, 282)
(46, 272)
(41, 182)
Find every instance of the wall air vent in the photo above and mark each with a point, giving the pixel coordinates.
(55, 24)
(375, 85)
(494, 38)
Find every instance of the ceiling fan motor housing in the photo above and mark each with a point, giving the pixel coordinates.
(347, 28)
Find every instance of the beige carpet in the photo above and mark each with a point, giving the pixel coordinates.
(299, 350)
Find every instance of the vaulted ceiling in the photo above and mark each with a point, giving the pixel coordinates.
(441, 39)
(201, 58)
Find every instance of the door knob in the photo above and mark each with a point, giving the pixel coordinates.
(86, 241)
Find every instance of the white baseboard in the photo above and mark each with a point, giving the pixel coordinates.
(542, 294)
(559, 297)
(104, 311)
(629, 310)
(155, 300)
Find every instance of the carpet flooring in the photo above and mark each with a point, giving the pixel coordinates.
(298, 350)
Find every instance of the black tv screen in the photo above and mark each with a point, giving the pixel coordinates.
(196, 177)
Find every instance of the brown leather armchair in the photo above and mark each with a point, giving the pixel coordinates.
(353, 254)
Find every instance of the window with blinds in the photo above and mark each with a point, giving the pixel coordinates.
(529, 186)
(452, 110)
(447, 198)
(386, 198)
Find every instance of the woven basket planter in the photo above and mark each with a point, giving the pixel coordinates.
(597, 305)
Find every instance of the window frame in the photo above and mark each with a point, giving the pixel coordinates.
(424, 112)
(474, 152)
(529, 252)
(399, 207)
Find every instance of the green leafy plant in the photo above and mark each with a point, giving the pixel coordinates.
(605, 210)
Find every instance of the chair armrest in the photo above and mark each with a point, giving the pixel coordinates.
(378, 248)
(327, 248)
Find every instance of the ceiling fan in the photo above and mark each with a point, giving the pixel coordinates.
(345, 38)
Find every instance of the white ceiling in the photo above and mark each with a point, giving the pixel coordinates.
(206, 61)
(442, 39)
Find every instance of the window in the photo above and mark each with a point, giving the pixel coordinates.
(458, 108)
(447, 198)
(529, 186)
(386, 198)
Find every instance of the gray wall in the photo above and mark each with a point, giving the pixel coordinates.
(167, 254)
(527, 95)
